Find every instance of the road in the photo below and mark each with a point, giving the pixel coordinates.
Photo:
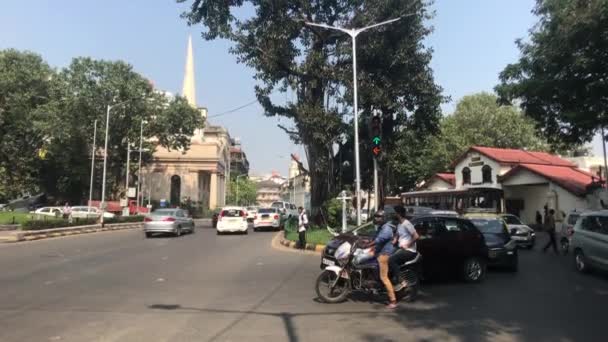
(118, 286)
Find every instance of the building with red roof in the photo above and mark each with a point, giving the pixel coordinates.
(509, 180)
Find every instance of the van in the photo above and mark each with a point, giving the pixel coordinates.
(589, 241)
(286, 209)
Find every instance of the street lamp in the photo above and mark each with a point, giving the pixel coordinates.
(237, 188)
(353, 33)
(105, 159)
(92, 163)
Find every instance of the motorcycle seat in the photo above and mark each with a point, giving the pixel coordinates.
(413, 261)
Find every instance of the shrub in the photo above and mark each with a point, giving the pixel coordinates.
(59, 223)
(124, 219)
(333, 209)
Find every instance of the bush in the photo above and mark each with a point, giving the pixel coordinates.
(124, 219)
(333, 209)
(58, 223)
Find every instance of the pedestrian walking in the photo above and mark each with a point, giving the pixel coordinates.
(302, 226)
(550, 229)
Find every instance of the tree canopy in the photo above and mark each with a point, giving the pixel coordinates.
(561, 79)
(477, 120)
(49, 118)
(394, 77)
(247, 192)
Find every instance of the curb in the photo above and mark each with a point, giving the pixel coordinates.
(309, 246)
(30, 235)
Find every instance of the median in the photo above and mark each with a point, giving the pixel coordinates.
(316, 237)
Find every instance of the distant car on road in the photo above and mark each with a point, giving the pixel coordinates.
(267, 218)
(523, 235)
(590, 241)
(85, 212)
(251, 212)
(502, 250)
(174, 221)
(48, 211)
(567, 229)
(287, 209)
(232, 220)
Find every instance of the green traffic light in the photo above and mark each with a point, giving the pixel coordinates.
(376, 140)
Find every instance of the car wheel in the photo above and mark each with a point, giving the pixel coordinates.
(178, 231)
(246, 232)
(218, 232)
(514, 265)
(580, 262)
(255, 229)
(564, 244)
(148, 235)
(474, 270)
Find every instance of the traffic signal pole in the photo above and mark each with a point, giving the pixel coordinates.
(375, 185)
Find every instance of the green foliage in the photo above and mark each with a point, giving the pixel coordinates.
(314, 235)
(56, 223)
(333, 210)
(54, 112)
(315, 65)
(560, 78)
(10, 217)
(247, 192)
(479, 120)
(124, 219)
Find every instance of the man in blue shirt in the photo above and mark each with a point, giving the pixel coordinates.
(383, 249)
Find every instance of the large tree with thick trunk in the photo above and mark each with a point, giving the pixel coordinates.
(315, 65)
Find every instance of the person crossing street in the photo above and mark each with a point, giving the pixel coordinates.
(302, 226)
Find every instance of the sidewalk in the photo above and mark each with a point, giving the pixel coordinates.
(6, 235)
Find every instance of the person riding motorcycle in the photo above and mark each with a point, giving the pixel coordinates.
(406, 246)
(383, 249)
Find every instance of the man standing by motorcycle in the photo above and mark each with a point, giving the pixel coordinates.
(383, 249)
(407, 236)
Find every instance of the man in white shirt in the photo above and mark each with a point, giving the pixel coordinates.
(406, 251)
(302, 226)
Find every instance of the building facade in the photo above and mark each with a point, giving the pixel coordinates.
(239, 165)
(514, 181)
(268, 191)
(198, 174)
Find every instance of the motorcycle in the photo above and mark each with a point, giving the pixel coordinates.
(350, 274)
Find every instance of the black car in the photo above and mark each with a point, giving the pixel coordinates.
(449, 246)
(502, 250)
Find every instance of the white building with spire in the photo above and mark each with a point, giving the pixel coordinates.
(201, 173)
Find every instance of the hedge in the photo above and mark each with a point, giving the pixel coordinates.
(124, 219)
(39, 224)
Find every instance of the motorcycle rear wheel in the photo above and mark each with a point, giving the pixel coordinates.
(409, 293)
(338, 293)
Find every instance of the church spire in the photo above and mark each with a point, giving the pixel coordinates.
(189, 89)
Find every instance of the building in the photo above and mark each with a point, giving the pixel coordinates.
(297, 188)
(268, 191)
(200, 173)
(239, 165)
(508, 180)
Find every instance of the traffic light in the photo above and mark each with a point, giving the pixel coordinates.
(376, 129)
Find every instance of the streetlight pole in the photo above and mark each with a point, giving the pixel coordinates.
(237, 188)
(128, 162)
(353, 33)
(105, 160)
(92, 163)
(141, 138)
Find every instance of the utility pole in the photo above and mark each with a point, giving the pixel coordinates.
(141, 138)
(92, 163)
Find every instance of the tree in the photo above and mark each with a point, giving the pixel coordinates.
(477, 120)
(316, 66)
(560, 79)
(247, 192)
(25, 80)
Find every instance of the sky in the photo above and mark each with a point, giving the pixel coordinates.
(473, 40)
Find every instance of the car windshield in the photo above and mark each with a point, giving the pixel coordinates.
(163, 212)
(511, 219)
(251, 208)
(267, 211)
(277, 205)
(572, 219)
(230, 213)
(491, 226)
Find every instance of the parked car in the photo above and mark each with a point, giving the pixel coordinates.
(173, 221)
(267, 218)
(48, 211)
(502, 250)
(589, 241)
(523, 235)
(448, 245)
(286, 209)
(251, 212)
(567, 229)
(89, 212)
(232, 220)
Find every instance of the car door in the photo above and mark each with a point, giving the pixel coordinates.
(431, 244)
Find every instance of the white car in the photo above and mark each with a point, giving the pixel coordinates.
(267, 218)
(48, 211)
(89, 212)
(232, 220)
(251, 212)
(521, 233)
(285, 208)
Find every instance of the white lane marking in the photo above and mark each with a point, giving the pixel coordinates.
(160, 280)
(48, 282)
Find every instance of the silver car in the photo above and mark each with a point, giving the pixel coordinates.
(590, 241)
(173, 221)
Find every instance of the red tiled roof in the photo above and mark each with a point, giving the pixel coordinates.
(513, 156)
(570, 178)
(446, 177)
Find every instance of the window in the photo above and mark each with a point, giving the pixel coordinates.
(452, 225)
(595, 224)
(486, 173)
(466, 176)
(45, 210)
(511, 219)
(429, 227)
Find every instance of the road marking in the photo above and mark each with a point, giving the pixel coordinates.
(160, 280)
(164, 258)
(48, 282)
(260, 264)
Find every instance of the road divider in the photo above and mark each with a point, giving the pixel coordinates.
(293, 244)
(29, 235)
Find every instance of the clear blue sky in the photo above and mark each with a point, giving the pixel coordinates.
(473, 40)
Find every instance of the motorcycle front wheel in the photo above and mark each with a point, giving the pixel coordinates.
(330, 288)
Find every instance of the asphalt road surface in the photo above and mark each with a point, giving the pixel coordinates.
(119, 286)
